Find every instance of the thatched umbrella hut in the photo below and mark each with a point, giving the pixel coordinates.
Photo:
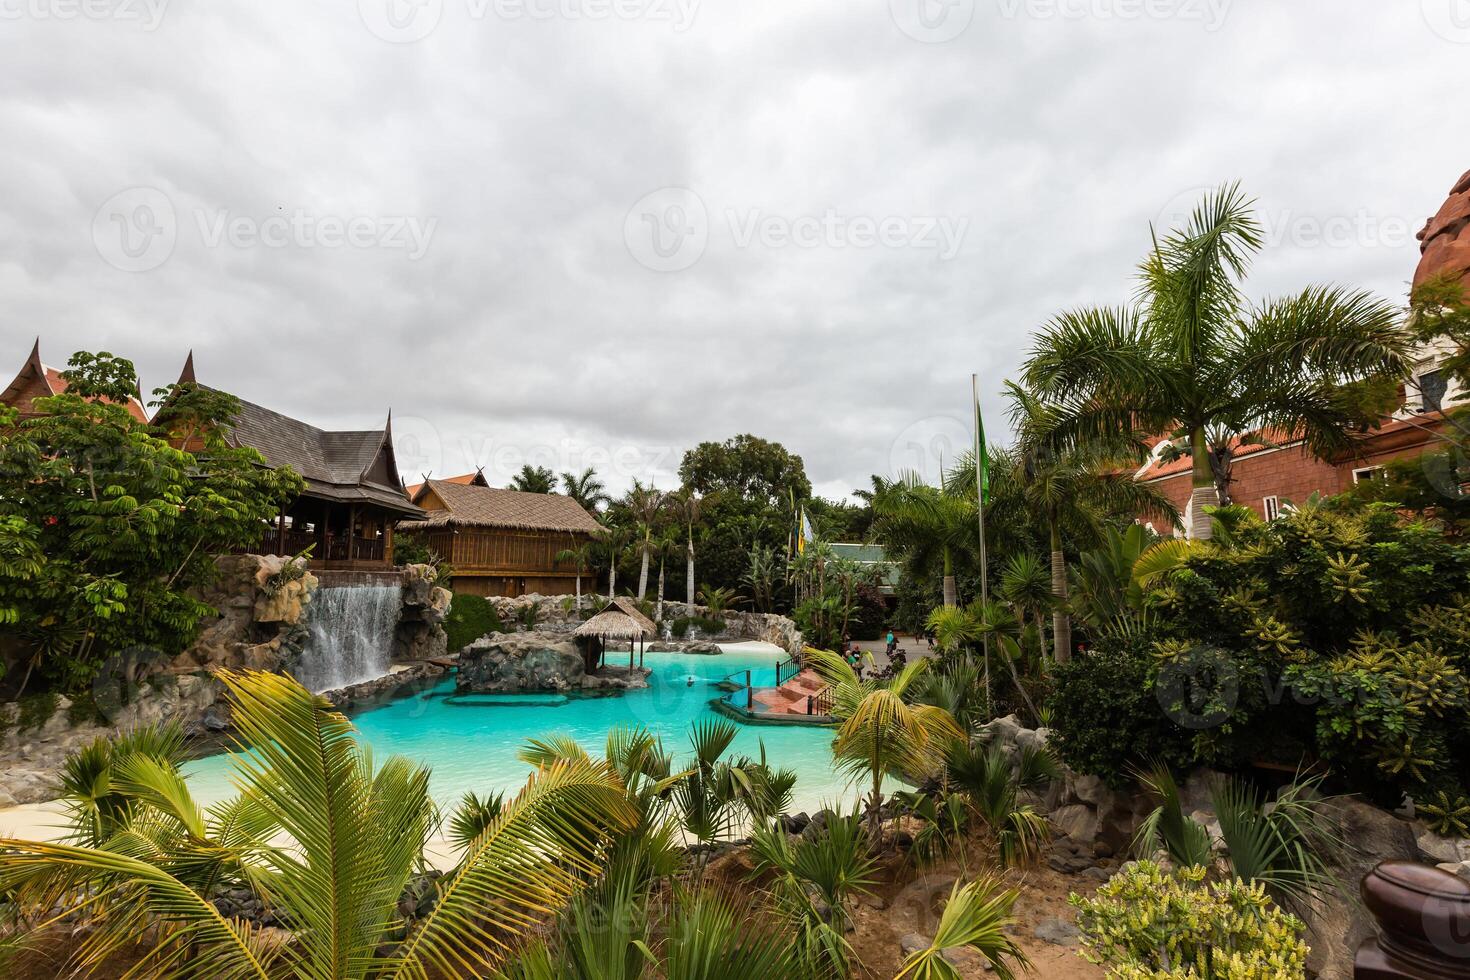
(621, 620)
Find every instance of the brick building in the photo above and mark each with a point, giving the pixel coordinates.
(1281, 471)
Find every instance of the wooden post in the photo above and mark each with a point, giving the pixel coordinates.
(640, 650)
(749, 692)
(281, 533)
(1423, 916)
(632, 649)
(351, 531)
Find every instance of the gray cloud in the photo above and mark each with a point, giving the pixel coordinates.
(1054, 133)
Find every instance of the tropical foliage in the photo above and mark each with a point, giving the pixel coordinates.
(106, 529)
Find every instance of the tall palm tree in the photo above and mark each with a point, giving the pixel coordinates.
(881, 731)
(358, 833)
(1025, 583)
(534, 479)
(611, 546)
(586, 489)
(1193, 359)
(665, 543)
(646, 505)
(581, 558)
(689, 508)
(927, 524)
(1073, 482)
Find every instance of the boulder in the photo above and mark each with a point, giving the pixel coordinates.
(1435, 849)
(1058, 932)
(1338, 926)
(1077, 822)
(521, 662)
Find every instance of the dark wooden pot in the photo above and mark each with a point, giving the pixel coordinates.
(1423, 917)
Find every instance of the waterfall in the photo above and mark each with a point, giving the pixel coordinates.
(351, 635)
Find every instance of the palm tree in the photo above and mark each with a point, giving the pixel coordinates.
(988, 623)
(534, 479)
(881, 731)
(358, 833)
(586, 490)
(645, 504)
(611, 545)
(1193, 359)
(924, 523)
(689, 508)
(761, 576)
(664, 544)
(1025, 583)
(581, 558)
(1072, 482)
(974, 917)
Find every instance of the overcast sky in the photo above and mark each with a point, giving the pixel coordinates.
(600, 231)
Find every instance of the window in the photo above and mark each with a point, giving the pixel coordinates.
(1432, 387)
(1271, 507)
(1368, 473)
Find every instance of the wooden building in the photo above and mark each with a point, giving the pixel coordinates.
(38, 380)
(354, 496)
(502, 542)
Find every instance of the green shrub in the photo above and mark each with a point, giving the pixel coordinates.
(1147, 923)
(470, 617)
(1106, 718)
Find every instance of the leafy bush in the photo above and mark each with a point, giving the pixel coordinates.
(1148, 923)
(1106, 718)
(470, 617)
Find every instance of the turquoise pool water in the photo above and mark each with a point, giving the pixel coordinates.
(471, 743)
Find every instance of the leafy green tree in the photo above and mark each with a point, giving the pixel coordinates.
(581, 558)
(534, 479)
(107, 529)
(646, 506)
(1193, 359)
(748, 468)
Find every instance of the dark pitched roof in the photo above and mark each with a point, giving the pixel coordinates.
(347, 467)
(481, 506)
(52, 380)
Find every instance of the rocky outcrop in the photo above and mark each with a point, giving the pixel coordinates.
(537, 662)
(683, 646)
(40, 732)
(420, 632)
(261, 620)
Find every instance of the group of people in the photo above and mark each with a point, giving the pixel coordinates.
(853, 653)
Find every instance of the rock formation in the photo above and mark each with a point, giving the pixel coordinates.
(536, 662)
(1445, 239)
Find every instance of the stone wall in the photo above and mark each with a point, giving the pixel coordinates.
(554, 616)
(538, 661)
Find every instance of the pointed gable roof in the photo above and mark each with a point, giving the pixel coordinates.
(345, 466)
(477, 505)
(37, 380)
(475, 479)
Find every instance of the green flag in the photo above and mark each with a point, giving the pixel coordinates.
(982, 456)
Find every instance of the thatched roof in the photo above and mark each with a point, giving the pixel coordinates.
(622, 620)
(481, 506)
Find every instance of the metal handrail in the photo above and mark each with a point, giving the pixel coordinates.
(820, 703)
(786, 670)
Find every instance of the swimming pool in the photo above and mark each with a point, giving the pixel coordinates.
(470, 743)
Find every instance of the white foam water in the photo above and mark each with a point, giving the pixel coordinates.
(351, 637)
